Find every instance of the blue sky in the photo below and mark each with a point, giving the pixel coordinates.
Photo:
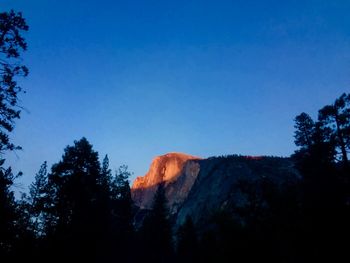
(142, 78)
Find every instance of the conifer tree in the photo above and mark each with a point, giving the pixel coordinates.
(324, 194)
(156, 230)
(335, 118)
(12, 43)
(123, 214)
(74, 189)
(38, 200)
(304, 130)
(105, 179)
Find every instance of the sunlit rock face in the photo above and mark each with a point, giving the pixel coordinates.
(177, 171)
(199, 188)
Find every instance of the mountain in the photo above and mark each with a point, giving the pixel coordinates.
(230, 183)
(177, 171)
(199, 187)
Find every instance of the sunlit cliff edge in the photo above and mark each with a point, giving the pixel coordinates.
(166, 169)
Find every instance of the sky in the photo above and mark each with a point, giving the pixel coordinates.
(142, 78)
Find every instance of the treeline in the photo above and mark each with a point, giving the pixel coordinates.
(78, 211)
(302, 221)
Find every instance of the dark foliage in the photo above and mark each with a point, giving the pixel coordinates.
(156, 232)
(187, 242)
(87, 218)
(13, 227)
(12, 43)
(334, 120)
(8, 212)
(325, 187)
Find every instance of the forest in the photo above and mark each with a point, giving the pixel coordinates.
(79, 210)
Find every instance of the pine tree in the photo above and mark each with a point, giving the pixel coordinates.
(335, 118)
(121, 184)
(74, 189)
(304, 130)
(324, 185)
(123, 214)
(12, 43)
(105, 179)
(38, 200)
(156, 230)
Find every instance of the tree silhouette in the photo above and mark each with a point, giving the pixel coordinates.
(74, 183)
(105, 179)
(335, 118)
(156, 230)
(122, 198)
(12, 43)
(122, 215)
(87, 212)
(38, 200)
(325, 183)
(304, 130)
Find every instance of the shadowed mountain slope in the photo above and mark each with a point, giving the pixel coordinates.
(200, 187)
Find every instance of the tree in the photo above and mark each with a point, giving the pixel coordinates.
(156, 230)
(121, 184)
(12, 44)
(38, 201)
(315, 142)
(324, 208)
(105, 179)
(74, 188)
(122, 215)
(304, 126)
(335, 119)
(87, 210)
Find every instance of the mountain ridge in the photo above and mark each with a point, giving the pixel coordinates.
(197, 187)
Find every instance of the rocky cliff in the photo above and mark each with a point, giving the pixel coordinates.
(177, 171)
(199, 187)
(227, 183)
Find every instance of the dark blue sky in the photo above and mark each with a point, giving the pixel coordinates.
(142, 78)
